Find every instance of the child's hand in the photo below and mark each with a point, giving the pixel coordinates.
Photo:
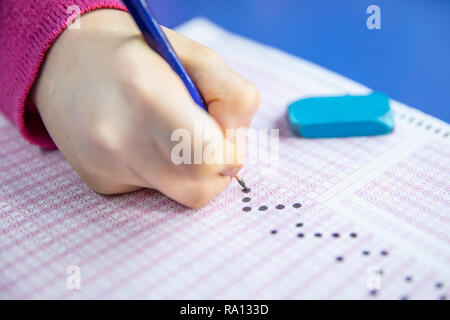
(111, 104)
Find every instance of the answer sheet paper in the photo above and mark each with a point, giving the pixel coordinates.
(354, 218)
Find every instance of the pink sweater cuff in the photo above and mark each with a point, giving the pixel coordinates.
(28, 29)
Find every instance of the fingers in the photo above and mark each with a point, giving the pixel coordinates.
(231, 100)
(169, 121)
(193, 192)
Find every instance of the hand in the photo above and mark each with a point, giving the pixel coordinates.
(111, 103)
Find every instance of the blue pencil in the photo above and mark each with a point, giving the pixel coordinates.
(157, 40)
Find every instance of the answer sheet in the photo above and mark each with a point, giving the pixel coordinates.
(353, 218)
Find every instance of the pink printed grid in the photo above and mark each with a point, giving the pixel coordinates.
(417, 190)
(144, 245)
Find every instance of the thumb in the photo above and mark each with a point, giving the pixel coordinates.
(231, 100)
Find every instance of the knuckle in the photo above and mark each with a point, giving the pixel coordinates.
(204, 170)
(99, 185)
(133, 79)
(204, 52)
(124, 65)
(198, 196)
(106, 137)
(101, 188)
(248, 97)
(133, 86)
(201, 55)
(104, 182)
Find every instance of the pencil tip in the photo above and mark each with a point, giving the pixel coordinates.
(243, 185)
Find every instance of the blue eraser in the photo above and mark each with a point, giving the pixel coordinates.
(343, 116)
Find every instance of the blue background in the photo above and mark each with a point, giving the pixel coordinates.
(409, 58)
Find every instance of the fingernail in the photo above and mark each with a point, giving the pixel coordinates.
(230, 171)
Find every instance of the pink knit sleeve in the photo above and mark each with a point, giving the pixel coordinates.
(27, 30)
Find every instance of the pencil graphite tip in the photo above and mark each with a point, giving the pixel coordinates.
(243, 185)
